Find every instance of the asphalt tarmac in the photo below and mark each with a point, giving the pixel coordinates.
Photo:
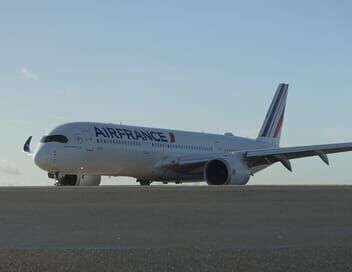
(176, 228)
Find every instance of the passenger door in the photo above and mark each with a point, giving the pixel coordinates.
(219, 148)
(88, 140)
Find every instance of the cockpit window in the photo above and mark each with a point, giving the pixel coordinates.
(54, 138)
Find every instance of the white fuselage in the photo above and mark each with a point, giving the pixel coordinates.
(80, 153)
(119, 150)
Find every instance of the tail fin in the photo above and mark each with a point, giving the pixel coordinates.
(271, 129)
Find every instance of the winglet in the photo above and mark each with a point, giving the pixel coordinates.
(26, 147)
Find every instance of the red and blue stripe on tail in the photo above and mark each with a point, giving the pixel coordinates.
(271, 129)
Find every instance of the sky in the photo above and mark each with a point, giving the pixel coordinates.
(208, 66)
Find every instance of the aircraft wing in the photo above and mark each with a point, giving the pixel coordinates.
(284, 155)
(258, 157)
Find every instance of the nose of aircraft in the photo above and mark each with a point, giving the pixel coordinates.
(42, 159)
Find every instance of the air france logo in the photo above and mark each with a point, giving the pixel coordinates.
(127, 134)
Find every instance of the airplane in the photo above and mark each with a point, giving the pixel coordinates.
(78, 154)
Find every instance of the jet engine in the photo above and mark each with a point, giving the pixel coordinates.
(78, 180)
(226, 171)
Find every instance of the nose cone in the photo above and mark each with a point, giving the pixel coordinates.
(42, 159)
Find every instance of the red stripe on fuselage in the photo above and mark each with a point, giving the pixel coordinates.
(172, 137)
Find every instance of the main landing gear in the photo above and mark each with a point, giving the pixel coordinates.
(144, 182)
(148, 182)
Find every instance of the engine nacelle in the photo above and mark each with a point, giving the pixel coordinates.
(226, 171)
(79, 180)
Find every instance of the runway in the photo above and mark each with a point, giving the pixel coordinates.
(229, 228)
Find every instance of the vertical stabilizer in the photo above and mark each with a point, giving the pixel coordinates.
(271, 129)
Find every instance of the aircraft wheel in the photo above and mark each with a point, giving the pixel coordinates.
(144, 182)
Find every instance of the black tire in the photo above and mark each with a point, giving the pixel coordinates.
(144, 182)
